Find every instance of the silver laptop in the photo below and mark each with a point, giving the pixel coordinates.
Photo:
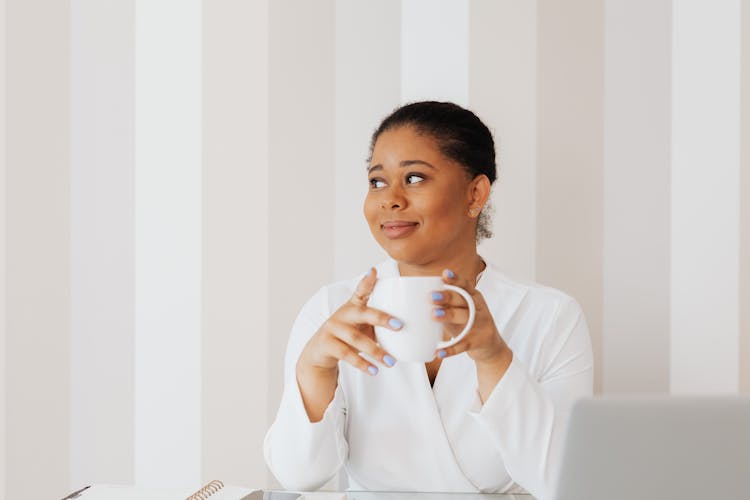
(660, 447)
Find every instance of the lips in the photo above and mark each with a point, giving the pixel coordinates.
(398, 229)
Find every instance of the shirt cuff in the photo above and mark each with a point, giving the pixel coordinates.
(296, 406)
(505, 394)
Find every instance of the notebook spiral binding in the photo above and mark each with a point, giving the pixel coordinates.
(208, 490)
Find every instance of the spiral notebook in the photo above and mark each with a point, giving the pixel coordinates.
(215, 490)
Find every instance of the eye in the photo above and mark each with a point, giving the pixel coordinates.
(376, 183)
(414, 178)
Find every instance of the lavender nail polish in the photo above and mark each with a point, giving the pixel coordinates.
(437, 296)
(439, 312)
(372, 369)
(396, 324)
(450, 273)
(442, 354)
(388, 360)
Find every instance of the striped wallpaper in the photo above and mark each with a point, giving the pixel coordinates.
(181, 175)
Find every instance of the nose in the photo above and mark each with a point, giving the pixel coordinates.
(393, 199)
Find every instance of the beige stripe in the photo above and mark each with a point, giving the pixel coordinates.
(636, 197)
(502, 91)
(38, 249)
(102, 243)
(3, 270)
(570, 155)
(368, 87)
(745, 201)
(302, 175)
(235, 332)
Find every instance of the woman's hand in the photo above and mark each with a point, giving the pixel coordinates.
(483, 343)
(342, 337)
(348, 332)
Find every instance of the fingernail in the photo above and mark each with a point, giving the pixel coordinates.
(388, 360)
(372, 369)
(437, 296)
(396, 324)
(449, 273)
(439, 312)
(442, 354)
(369, 272)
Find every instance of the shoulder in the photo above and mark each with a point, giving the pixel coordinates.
(540, 323)
(526, 293)
(520, 305)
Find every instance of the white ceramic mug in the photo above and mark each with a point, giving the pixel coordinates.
(409, 298)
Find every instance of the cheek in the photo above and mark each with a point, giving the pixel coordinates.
(370, 210)
(442, 210)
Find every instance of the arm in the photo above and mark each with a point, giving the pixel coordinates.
(523, 417)
(305, 446)
(526, 419)
(301, 454)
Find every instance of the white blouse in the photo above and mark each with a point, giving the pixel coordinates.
(393, 431)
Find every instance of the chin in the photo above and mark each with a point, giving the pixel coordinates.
(409, 253)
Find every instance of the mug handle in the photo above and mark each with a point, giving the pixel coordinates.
(472, 313)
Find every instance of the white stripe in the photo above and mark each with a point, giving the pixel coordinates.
(168, 242)
(435, 50)
(705, 195)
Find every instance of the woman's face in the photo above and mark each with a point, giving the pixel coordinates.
(418, 200)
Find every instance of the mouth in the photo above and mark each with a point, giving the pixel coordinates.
(398, 229)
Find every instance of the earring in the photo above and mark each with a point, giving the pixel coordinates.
(474, 211)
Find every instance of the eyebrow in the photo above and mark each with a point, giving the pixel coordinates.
(404, 163)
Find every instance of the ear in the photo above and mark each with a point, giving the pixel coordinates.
(479, 191)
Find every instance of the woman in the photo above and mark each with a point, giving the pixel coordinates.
(486, 414)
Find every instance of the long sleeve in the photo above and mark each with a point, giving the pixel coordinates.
(396, 432)
(525, 417)
(304, 455)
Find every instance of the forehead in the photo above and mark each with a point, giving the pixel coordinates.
(406, 143)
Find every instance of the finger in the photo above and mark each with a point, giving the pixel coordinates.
(447, 298)
(360, 342)
(451, 315)
(350, 355)
(451, 278)
(362, 315)
(364, 288)
(447, 352)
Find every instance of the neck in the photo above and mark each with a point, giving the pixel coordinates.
(466, 266)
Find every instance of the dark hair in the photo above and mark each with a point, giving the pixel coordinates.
(461, 136)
